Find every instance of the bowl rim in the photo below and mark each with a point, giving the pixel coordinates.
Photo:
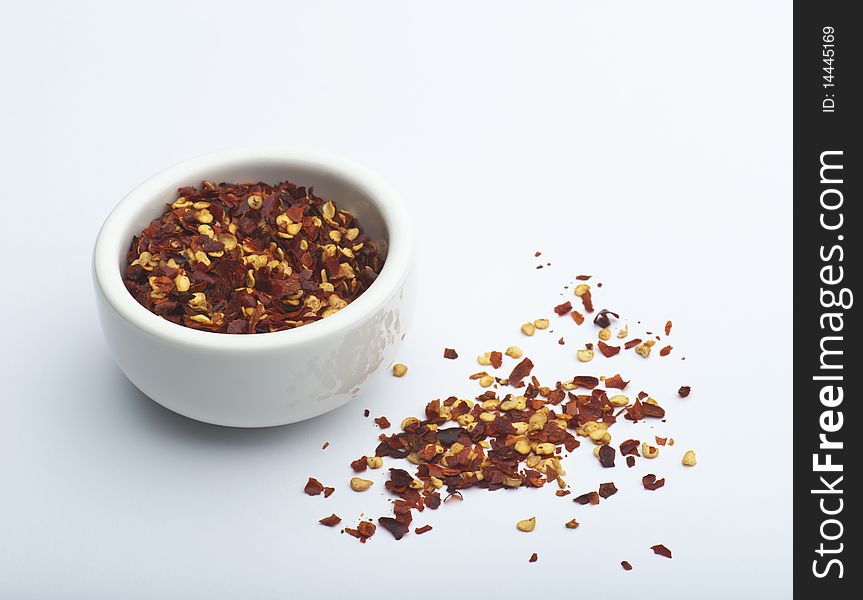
(108, 277)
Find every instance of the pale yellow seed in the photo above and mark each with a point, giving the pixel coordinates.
(514, 352)
(374, 462)
(360, 485)
(689, 458)
(200, 205)
(206, 230)
(436, 482)
(490, 404)
(484, 359)
(413, 458)
(204, 216)
(528, 329)
(465, 420)
(522, 446)
(255, 202)
(541, 323)
(486, 417)
(584, 355)
(399, 369)
(619, 400)
(335, 235)
(526, 525)
(605, 334)
(328, 210)
(521, 427)
(182, 282)
(597, 435)
(409, 421)
(294, 228)
(416, 484)
(201, 319)
(643, 350)
(352, 234)
(486, 380)
(533, 461)
(544, 448)
(623, 332)
(581, 289)
(648, 451)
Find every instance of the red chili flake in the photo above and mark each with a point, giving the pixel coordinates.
(635, 411)
(588, 498)
(626, 566)
(585, 381)
(533, 558)
(632, 343)
(661, 550)
(562, 493)
(450, 353)
(520, 371)
(328, 491)
(650, 482)
(313, 487)
(606, 456)
(653, 410)
(325, 446)
(537, 253)
(394, 526)
(496, 359)
(360, 464)
(583, 277)
(666, 350)
(577, 317)
(602, 319)
(607, 489)
(383, 422)
(668, 328)
(539, 267)
(561, 341)
(660, 441)
(616, 382)
(684, 390)
(423, 529)
(630, 461)
(630, 447)
(366, 413)
(330, 521)
(562, 309)
(607, 351)
(587, 301)
(571, 524)
(364, 530)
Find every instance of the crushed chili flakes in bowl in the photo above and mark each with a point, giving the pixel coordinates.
(250, 258)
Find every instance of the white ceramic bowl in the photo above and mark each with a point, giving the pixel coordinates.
(264, 379)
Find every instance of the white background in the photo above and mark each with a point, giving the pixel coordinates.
(646, 143)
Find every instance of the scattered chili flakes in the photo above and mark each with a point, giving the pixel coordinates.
(585, 381)
(331, 521)
(602, 317)
(630, 461)
(650, 482)
(661, 550)
(423, 529)
(588, 498)
(562, 309)
(630, 447)
(328, 491)
(668, 328)
(659, 440)
(383, 422)
(665, 351)
(587, 301)
(363, 531)
(632, 343)
(450, 353)
(313, 487)
(561, 493)
(360, 464)
(520, 371)
(684, 390)
(496, 359)
(607, 351)
(250, 258)
(395, 526)
(577, 317)
(533, 558)
(626, 566)
(607, 489)
(606, 456)
(616, 382)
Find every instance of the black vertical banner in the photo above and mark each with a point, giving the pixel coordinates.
(827, 230)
